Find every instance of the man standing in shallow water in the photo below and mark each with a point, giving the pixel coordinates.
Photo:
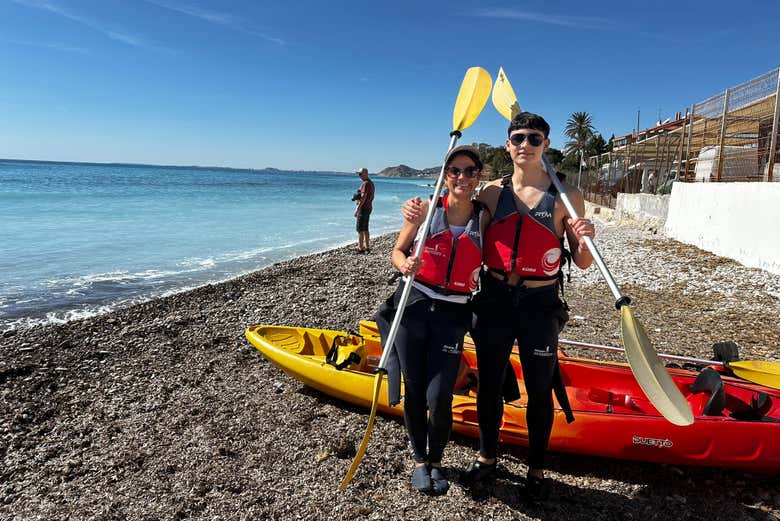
(363, 210)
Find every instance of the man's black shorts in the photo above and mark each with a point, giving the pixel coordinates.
(362, 220)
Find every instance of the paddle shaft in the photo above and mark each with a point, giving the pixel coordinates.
(620, 299)
(679, 358)
(762, 373)
(399, 313)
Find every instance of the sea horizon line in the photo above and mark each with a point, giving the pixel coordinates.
(180, 167)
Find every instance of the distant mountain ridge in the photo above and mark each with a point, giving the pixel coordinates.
(407, 171)
(393, 171)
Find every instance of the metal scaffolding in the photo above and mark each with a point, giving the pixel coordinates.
(731, 136)
(645, 161)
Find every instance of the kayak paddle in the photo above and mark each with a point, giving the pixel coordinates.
(472, 96)
(648, 369)
(761, 372)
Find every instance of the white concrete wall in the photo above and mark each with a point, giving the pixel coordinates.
(642, 207)
(596, 211)
(736, 220)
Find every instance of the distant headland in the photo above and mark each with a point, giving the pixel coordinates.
(407, 171)
(393, 171)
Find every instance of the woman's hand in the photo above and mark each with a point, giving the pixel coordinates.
(414, 210)
(411, 266)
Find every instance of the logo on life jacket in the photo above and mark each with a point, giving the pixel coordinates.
(543, 215)
(434, 251)
(550, 261)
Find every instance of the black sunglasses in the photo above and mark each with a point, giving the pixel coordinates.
(533, 139)
(469, 172)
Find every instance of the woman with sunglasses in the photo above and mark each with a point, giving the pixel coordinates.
(518, 298)
(430, 336)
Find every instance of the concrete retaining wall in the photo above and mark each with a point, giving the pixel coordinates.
(646, 208)
(596, 211)
(736, 220)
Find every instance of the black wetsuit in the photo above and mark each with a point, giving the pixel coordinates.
(531, 316)
(429, 344)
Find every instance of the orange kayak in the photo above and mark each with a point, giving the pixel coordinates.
(737, 423)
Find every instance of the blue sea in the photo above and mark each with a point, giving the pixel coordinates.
(79, 239)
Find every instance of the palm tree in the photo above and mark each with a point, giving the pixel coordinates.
(579, 129)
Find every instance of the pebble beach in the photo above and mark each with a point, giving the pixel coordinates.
(163, 410)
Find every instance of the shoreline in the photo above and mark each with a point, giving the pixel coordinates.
(163, 410)
(30, 322)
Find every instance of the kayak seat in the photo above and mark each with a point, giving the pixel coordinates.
(709, 381)
(349, 354)
(759, 406)
(609, 401)
(725, 351)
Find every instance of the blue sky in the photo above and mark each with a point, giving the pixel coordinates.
(337, 85)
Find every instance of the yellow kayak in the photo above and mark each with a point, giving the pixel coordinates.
(607, 402)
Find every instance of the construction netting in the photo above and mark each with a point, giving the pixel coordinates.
(732, 136)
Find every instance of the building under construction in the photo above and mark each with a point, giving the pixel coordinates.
(729, 137)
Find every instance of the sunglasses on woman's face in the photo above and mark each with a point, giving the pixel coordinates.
(533, 139)
(469, 172)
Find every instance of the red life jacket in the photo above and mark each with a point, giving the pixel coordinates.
(451, 264)
(524, 242)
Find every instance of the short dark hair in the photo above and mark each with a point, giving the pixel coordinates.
(529, 120)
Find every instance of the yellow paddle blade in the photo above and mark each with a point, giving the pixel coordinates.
(504, 98)
(650, 372)
(472, 96)
(762, 372)
(367, 436)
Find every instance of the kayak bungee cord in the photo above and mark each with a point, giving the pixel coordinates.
(762, 372)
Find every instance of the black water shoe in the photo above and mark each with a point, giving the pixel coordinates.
(440, 483)
(421, 479)
(477, 471)
(537, 489)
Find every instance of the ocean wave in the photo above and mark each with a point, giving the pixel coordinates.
(197, 262)
(80, 281)
(194, 270)
(212, 262)
(58, 317)
(70, 298)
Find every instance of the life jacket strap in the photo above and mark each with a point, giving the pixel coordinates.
(505, 275)
(440, 290)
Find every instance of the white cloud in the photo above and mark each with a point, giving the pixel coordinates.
(215, 17)
(56, 46)
(114, 34)
(509, 13)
